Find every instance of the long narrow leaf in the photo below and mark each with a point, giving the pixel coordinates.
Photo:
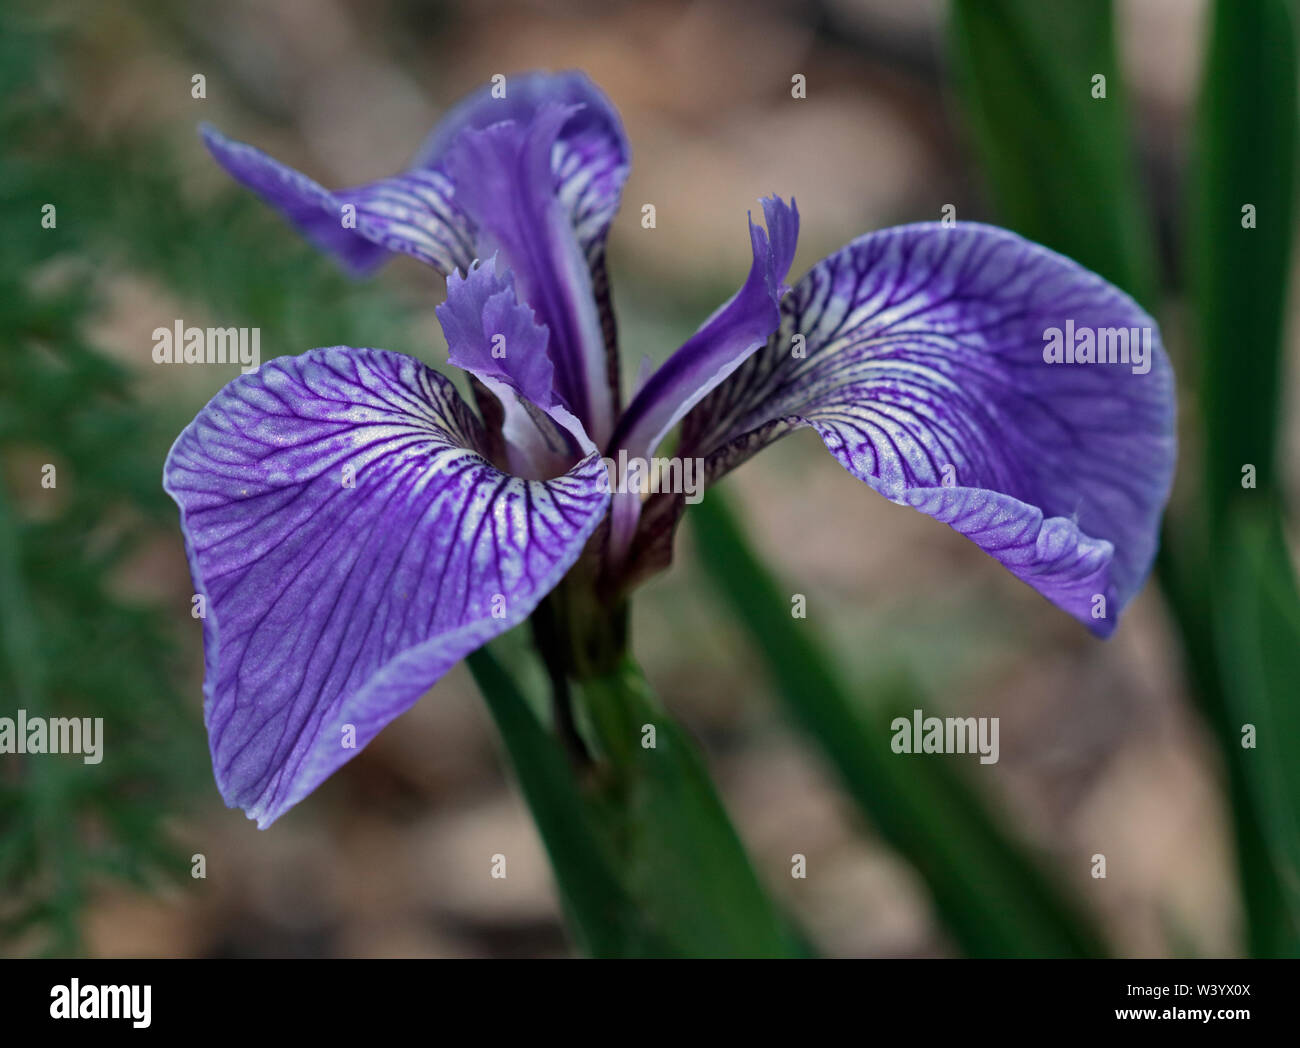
(601, 913)
(1051, 136)
(1259, 629)
(1239, 234)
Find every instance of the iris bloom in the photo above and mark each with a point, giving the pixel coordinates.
(356, 528)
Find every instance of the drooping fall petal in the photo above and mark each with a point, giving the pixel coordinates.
(918, 355)
(351, 543)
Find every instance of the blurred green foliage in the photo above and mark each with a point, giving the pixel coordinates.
(1240, 233)
(1057, 157)
(71, 646)
(1243, 161)
(1258, 628)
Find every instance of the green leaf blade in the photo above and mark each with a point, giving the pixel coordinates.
(1057, 158)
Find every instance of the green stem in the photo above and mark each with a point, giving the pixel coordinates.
(669, 831)
(646, 862)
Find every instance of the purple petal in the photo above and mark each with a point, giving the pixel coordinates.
(412, 213)
(331, 608)
(591, 159)
(495, 338)
(722, 344)
(491, 335)
(504, 183)
(735, 331)
(542, 170)
(925, 376)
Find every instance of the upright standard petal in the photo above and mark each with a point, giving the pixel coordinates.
(591, 157)
(984, 380)
(351, 542)
(504, 184)
(589, 160)
(533, 166)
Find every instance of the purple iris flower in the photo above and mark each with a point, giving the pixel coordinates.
(357, 529)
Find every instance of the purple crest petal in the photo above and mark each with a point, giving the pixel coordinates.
(352, 543)
(722, 344)
(494, 337)
(497, 339)
(924, 373)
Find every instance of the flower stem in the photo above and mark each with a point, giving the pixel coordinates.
(547, 637)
